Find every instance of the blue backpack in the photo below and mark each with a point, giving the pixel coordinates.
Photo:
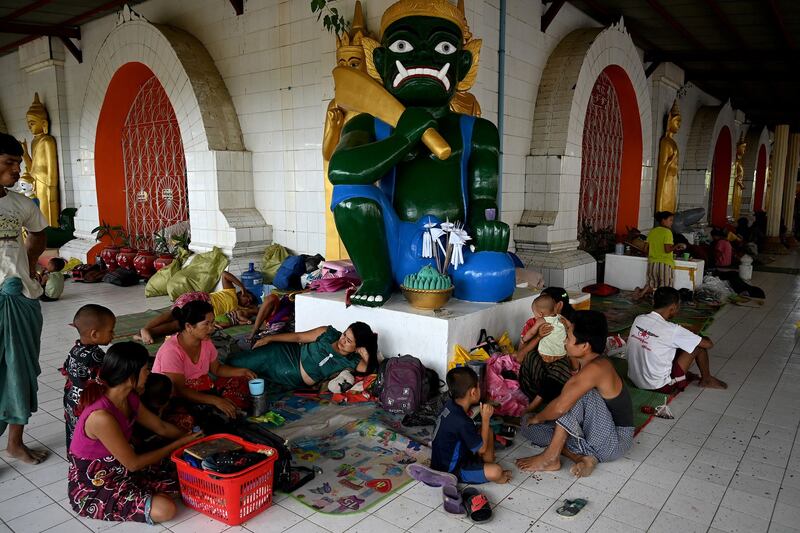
(291, 270)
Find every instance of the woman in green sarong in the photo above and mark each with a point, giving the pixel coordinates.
(290, 361)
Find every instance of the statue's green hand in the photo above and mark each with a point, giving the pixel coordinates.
(491, 236)
(413, 123)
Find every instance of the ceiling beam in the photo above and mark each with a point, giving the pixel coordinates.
(607, 18)
(723, 19)
(765, 76)
(776, 12)
(74, 21)
(24, 10)
(551, 13)
(672, 21)
(238, 6)
(70, 32)
(73, 49)
(702, 56)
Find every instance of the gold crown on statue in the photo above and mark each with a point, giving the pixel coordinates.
(426, 8)
(674, 111)
(37, 109)
(350, 42)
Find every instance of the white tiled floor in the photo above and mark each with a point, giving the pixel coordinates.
(726, 463)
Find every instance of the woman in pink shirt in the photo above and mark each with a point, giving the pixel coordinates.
(187, 358)
(107, 479)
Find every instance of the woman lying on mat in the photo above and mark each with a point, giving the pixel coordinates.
(107, 479)
(187, 358)
(290, 361)
(228, 306)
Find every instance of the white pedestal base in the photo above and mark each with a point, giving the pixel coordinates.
(428, 335)
(627, 272)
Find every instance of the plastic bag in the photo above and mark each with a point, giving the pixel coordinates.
(274, 255)
(503, 391)
(506, 346)
(157, 284)
(201, 275)
(461, 356)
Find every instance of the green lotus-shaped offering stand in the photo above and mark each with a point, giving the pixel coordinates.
(427, 289)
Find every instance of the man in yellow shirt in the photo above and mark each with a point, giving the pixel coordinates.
(224, 301)
(660, 246)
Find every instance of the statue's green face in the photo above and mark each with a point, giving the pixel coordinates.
(421, 60)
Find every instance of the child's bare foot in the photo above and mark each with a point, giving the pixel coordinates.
(539, 463)
(712, 383)
(144, 336)
(584, 467)
(505, 478)
(26, 455)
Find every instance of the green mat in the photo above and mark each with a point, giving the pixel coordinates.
(128, 325)
(777, 270)
(640, 397)
(621, 310)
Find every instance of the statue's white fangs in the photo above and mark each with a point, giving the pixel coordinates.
(403, 73)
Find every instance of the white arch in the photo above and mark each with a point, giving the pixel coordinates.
(209, 125)
(695, 173)
(556, 148)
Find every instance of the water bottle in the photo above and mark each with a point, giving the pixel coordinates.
(252, 281)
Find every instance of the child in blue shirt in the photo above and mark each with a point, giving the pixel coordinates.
(457, 446)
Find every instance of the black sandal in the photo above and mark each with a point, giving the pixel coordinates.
(477, 505)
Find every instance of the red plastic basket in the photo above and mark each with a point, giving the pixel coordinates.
(229, 498)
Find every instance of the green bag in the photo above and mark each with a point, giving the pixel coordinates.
(202, 274)
(274, 255)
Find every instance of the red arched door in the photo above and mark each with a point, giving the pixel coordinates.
(154, 163)
(761, 178)
(601, 159)
(721, 178)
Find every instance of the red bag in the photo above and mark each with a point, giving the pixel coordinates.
(502, 390)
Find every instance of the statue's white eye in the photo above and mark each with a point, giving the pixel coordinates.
(400, 47)
(445, 48)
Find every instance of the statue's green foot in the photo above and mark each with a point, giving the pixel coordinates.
(372, 293)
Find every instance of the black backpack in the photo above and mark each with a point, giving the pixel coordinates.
(123, 277)
(286, 477)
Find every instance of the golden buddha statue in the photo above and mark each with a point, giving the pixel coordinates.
(768, 186)
(349, 53)
(41, 161)
(667, 178)
(738, 178)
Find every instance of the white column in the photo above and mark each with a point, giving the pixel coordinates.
(776, 193)
(790, 181)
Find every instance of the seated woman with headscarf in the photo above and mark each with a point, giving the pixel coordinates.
(290, 361)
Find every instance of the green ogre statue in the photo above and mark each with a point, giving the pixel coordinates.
(426, 54)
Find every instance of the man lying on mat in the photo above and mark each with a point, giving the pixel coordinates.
(660, 353)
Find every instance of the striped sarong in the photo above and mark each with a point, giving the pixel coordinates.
(659, 275)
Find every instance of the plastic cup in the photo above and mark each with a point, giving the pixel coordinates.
(256, 387)
(685, 256)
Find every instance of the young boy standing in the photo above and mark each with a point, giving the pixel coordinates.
(457, 446)
(95, 325)
(20, 312)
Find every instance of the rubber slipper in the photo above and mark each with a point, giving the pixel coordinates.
(431, 477)
(571, 507)
(453, 502)
(477, 506)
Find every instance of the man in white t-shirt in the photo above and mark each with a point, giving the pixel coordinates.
(20, 313)
(660, 353)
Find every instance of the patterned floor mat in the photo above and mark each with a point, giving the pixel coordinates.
(621, 310)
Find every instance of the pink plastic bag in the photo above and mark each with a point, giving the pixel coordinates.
(338, 269)
(505, 391)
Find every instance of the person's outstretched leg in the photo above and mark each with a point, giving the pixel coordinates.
(160, 326)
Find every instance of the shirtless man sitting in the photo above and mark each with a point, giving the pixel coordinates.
(591, 420)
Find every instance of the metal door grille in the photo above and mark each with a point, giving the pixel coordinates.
(155, 167)
(601, 164)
